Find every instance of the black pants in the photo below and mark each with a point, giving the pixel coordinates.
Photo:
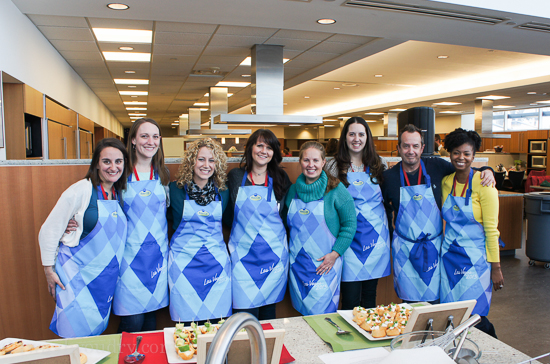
(140, 322)
(361, 293)
(266, 312)
(486, 326)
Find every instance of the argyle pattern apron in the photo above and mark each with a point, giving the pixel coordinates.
(89, 272)
(369, 254)
(417, 242)
(258, 248)
(143, 284)
(311, 239)
(466, 273)
(199, 269)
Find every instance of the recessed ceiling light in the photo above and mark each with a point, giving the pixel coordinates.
(126, 48)
(127, 56)
(208, 94)
(133, 96)
(306, 97)
(531, 93)
(136, 93)
(123, 35)
(132, 86)
(349, 84)
(329, 126)
(502, 107)
(118, 6)
(450, 112)
(136, 108)
(246, 75)
(442, 57)
(294, 125)
(378, 76)
(201, 104)
(337, 88)
(398, 109)
(129, 71)
(492, 97)
(232, 84)
(326, 21)
(374, 113)
(130, 81)
(543, 102)
(248, 61)
(135, 102)
(447, 103)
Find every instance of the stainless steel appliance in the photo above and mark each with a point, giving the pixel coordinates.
(537, 146)
(537, 161)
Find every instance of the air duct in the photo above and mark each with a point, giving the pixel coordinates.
(423, 118)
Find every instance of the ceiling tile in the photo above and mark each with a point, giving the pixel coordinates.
(357, 39)
(246, 31)
(120, 23)
(334, 47)
(231, 61)
(300, 34)
(72, 55)
(297, 63)
(314, 57)
(294, 44)
(181, 38)
(167, 60)
(58, 21)
(232, 41)
(114, 47)
(163, 26)
(66, 33)
(177, 49)
(76, 63)
(68, 45)
(242, 52)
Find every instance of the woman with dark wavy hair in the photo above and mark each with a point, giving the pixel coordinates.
(199, 266)
(258, 243)
(360, 168)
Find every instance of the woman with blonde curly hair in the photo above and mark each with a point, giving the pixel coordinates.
(199, 269)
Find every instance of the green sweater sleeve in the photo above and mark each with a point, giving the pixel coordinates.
(288, 200)
(340, 217)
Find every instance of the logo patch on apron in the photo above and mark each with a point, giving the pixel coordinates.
(255, 197)
(145, 193)
(303, 211)
(203, 213)
(456, 208)
(418, 197)
(358, 183)
(114, 214)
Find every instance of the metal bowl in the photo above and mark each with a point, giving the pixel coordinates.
(412, 339)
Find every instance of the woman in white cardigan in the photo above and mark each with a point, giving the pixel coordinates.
(82, 267)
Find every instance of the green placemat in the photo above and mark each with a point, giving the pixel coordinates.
(339, 343)
(103, 342)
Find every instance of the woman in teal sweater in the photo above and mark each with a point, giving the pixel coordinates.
(320, 215)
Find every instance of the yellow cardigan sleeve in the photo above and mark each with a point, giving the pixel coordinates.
(485, 206)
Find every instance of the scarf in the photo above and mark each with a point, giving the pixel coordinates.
(202, 196)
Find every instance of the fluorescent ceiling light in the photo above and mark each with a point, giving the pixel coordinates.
(136, 108)
(248, 61)
(136, 114)
(232, 84)
(135, 102)
(502, 106)
(442, 57)
(136, 93)
(208, 94)
(127, 56)
(130, 81)
(294, 125)
(326, 21)
(135, 117)
(201, 109)
(129, 71)
(374, 113)
(378, 76)
(450, 112)
(118, 6)
(201, 104)
(448, 103)
(398, 109)
(329, 126)
(492, 97)
(126, 48)
(123, 35)
(531, 93)
(543, 102)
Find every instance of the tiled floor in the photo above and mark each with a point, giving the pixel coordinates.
(521, 310)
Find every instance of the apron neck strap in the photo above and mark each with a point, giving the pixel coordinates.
(150, 177)
(104, 194)
(467, 187)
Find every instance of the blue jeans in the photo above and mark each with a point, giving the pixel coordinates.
(140, 322)
(266, 312)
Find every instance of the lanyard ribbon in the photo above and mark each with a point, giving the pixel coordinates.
(137, 177)
(105, 196)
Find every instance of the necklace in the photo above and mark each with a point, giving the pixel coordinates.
(355, 168)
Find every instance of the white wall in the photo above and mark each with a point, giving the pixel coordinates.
(446, 124)
(28, 56)
(468, 122)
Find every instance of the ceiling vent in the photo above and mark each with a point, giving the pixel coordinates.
(421, 10)
(540, 27)
(209, 72)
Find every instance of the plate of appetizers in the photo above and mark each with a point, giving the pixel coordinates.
(379, 323)
(12, 346)
(181, 341)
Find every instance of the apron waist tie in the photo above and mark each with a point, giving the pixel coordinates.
(424, 250)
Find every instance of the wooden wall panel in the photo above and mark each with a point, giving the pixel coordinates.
(14, 121)
(58, 113)
(34, 102)
(85, 123)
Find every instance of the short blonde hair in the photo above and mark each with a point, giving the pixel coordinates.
(189, 159)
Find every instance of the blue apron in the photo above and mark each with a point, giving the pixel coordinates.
(89, 272)
(258, 248)
(143, 284)
(311, 239)
(417, 242)
(369, 253)
(199, 270)
(467, 274)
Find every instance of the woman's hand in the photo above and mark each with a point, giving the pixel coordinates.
(328, 262)
(487, 178)
(52, 279)
(71, 226)
(496, 276)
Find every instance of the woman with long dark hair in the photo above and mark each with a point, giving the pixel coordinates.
(258, 243)
(82, 266)
(359, 168)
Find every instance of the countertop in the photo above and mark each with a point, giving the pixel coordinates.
(305, 346)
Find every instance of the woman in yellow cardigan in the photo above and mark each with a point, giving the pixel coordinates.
(470, 252)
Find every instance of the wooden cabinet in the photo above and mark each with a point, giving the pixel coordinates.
(86, 144)
(19, 100)
(519, 142)
(61, 141)
(510, 219)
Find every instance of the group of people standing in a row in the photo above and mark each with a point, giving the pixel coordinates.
(327, 234)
